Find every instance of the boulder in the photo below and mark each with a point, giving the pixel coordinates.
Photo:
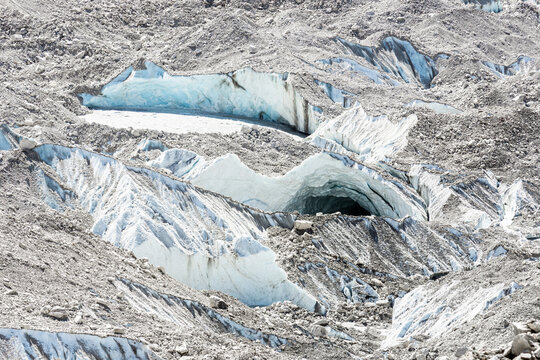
(218, 303)
(521, 344)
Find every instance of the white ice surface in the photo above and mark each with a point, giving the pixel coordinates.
(175, 122)
(372, 138)
(319, 175)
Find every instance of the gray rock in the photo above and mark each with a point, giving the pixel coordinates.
(11, 292)
(27, 144)
(303, 225)
(181, 350)
(534, 326)
(218, 303)
(460, 352)
(119, 330)
(319, 331)
(519, 328)
(521, 344)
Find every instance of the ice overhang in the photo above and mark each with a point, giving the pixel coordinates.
(243, 93)
(323, 183)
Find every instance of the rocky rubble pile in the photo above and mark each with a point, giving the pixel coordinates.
(524, 346)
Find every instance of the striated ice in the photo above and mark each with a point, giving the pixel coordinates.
(242, 93)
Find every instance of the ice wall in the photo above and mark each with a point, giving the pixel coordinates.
(320, 175)
(344, 65)
(372, 138)
(243, 93)
(23, 344)
(338, 96)
(398, 58)
(200, 238)
(486, 5)
(522, 65)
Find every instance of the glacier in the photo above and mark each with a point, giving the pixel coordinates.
(322, 179)
(397, 57)
(186, 313)
(435, 107)
(344, 65)
(242, 93)
(523, 64)
(8, 139)
(200, 238)
(432, 311)
(373, 139)
(34, 344)
(338, 96)
(486, 5)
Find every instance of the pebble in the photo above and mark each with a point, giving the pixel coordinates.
(11, 292)
(119, 330)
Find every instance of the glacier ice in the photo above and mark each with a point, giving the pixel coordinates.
(338, 96)
(342, 65)
(486, 5)
(397, 57)
(242, 93)
(34, 344)
(435, 107)
(433, 311)
(8, 139)
(321, 175)
(200, 238)
(4, 143)
(179, 162)
(522, 65)
(373, 138)
(181, 312)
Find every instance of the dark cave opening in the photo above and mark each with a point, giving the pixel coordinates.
(330, 204)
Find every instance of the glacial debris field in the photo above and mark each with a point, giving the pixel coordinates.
(270, 179)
